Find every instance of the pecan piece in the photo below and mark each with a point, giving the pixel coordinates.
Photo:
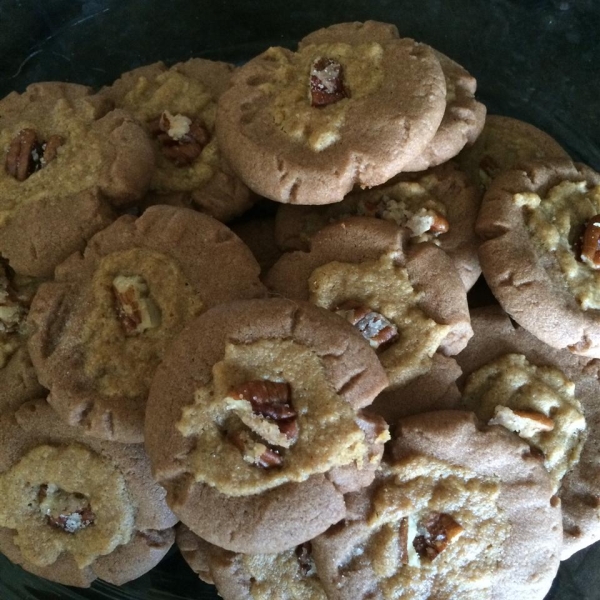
(527, 423)
(181, 138)
(435, 534)
(326, 82)
(26, 154)
(373, 326)
(135, 310)
(590, 243)
(253, 451)
(70, 512)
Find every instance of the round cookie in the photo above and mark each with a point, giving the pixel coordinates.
(353, 106)
(263, 432)
(102, 327)
(438, 206)
(462, 122)
(460, 512)
(413, 300)
(532, 220)
(75, 509)
(503, 144)
(18, 379)
(289, 575)
(177, 107)
(67, 160)
(514, 369)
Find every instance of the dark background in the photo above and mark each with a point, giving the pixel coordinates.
(537, 60)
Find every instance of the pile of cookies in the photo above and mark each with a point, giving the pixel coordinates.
(310, 392)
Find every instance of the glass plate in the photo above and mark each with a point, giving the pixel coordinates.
(536, 60)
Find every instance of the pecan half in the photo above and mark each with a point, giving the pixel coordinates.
(181, 139)
(373, 326)
(134, 308)
(70, 512)
(527, 423)
(590, 243)
(327, 82)
(26, 154)
(435, 534)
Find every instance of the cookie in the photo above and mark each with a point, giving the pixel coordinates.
(291, 574)
(75, 509)
(434, 390)
(177, 107)
(549, 397)
(102, 327)
(503, 144)
(353, 105)
(438, 206)
(18, 379)
(254, 423)
(68, 159)
(408, 301)
(462, 122)
(460, 512)
(539, 251)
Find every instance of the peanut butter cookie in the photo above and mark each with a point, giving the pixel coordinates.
(540, 255)
(68, 158)
(255, 424)
(354, 105)
(438, 206)
(18, 379)
(407, 301)
(177, 107)
(73, 508)
(289, 575)
(102, 327)
(550, 398)
(503, 144)
(460, 511)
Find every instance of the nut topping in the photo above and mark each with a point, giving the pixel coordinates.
(70, 512)
(135, 310)
(435, 534)
(326, 82)
(590, 243)
(181, 138)
(255, 452)
(305, 559)
(273, 419)
(373, 326)
(527, 423)
(26, 154)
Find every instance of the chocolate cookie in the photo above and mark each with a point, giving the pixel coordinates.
(254, 423)
(353, 105)
(408, 301)
(18, 379)
(289, 575)
(460, 512)
(67, 161)
(438, 206)
(75, 509)
(102, 327)
(548, 396)
(462, 122)
(503, 144)
(540, 254)
(177, 106)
